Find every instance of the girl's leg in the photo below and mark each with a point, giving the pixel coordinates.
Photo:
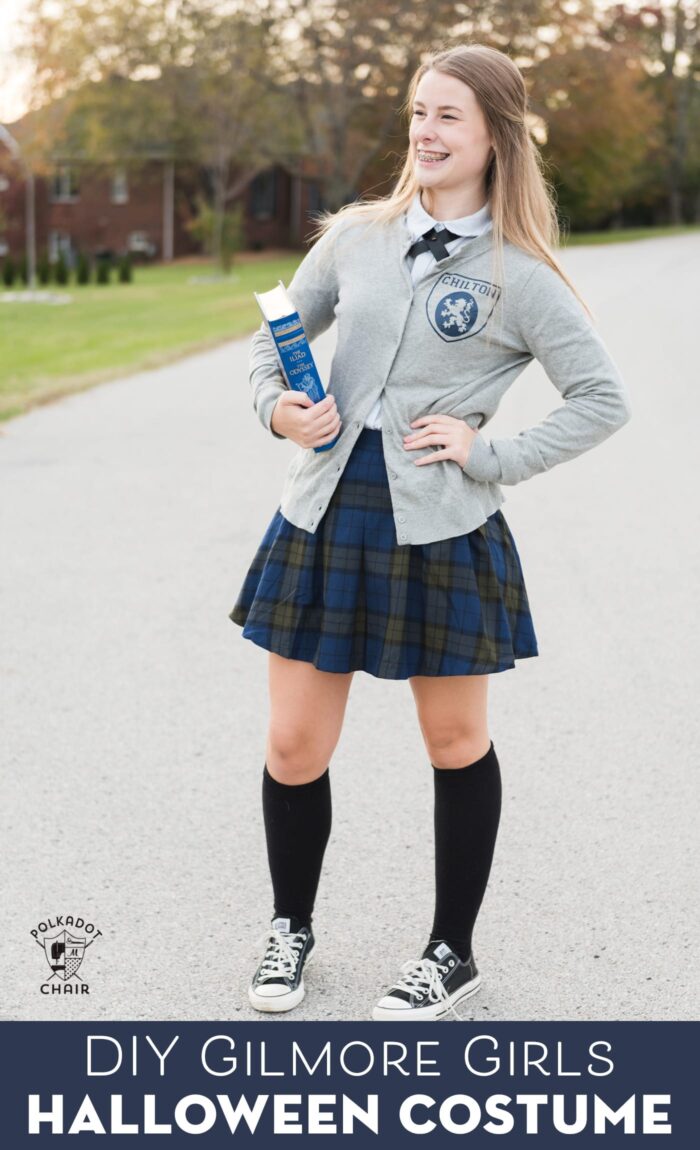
(453, 717)
(307, 708)
(452, 712)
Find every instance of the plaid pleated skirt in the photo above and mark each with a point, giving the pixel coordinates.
(348, 598)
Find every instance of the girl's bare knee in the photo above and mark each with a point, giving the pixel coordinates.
(294, 756)
(452, 750)
(307, 710)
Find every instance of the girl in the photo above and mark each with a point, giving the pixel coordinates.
(389, 552)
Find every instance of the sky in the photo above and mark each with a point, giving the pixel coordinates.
(13, 81)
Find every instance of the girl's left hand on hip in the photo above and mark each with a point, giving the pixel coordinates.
(455, 436)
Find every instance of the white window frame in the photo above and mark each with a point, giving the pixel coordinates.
(61, 186)
(119, 186)
(59, 243)
(140, 243)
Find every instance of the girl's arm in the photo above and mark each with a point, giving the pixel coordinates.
(556, 330)
(314, 293)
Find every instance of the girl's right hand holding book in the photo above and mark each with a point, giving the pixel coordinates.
(308, 424)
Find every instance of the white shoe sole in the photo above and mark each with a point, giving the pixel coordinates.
(421, 1013)
(277, 1004)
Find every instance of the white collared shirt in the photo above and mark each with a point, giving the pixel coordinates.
(419, 222)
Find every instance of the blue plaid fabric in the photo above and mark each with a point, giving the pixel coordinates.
(348, 598)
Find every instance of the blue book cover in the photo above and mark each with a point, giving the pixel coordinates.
(292, 346)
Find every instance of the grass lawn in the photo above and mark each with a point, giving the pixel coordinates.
(625, 235)
(48, 351)
(108, 331)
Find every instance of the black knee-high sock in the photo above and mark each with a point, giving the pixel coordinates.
(297, 828)
(467, 812)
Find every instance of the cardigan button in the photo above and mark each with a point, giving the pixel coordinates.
(394, 475)
(401, 518)
(404, 537)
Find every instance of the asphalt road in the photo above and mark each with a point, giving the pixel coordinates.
(134, 712)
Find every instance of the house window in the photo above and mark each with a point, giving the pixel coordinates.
(139, 244)
(315, 197)
(262, 195)
(65, 188)
(60, 245)
(119, 187)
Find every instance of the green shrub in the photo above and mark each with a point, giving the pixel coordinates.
(125, 270)
(43, 270)
(206, 227)
(23, 269)
(104, 267)
(82, 270)
(60, 271)
(9, 271)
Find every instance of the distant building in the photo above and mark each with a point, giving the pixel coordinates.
(144, 210)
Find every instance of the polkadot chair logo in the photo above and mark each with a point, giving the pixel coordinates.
(64, 941)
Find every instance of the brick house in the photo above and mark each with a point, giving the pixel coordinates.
(143, 210)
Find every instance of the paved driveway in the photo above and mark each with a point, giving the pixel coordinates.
(135, 713)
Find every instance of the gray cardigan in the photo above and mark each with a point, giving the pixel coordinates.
(453, 344)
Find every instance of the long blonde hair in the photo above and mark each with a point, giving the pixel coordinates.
(520, 197)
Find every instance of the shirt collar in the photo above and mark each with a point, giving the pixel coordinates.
(419, 221)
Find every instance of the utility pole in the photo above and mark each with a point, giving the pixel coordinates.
(168, 246)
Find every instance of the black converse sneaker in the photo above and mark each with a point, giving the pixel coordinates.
(278, 983)
(430, 987)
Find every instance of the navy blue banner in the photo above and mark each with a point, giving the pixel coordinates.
(413, 1084)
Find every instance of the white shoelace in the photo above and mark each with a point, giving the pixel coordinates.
(422, 980)
(281, 956)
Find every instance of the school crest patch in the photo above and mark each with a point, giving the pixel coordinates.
(458, 306)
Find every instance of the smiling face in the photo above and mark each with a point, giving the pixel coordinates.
(449, 143)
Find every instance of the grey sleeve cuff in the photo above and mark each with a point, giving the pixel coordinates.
(266, 406)
(482, 463)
